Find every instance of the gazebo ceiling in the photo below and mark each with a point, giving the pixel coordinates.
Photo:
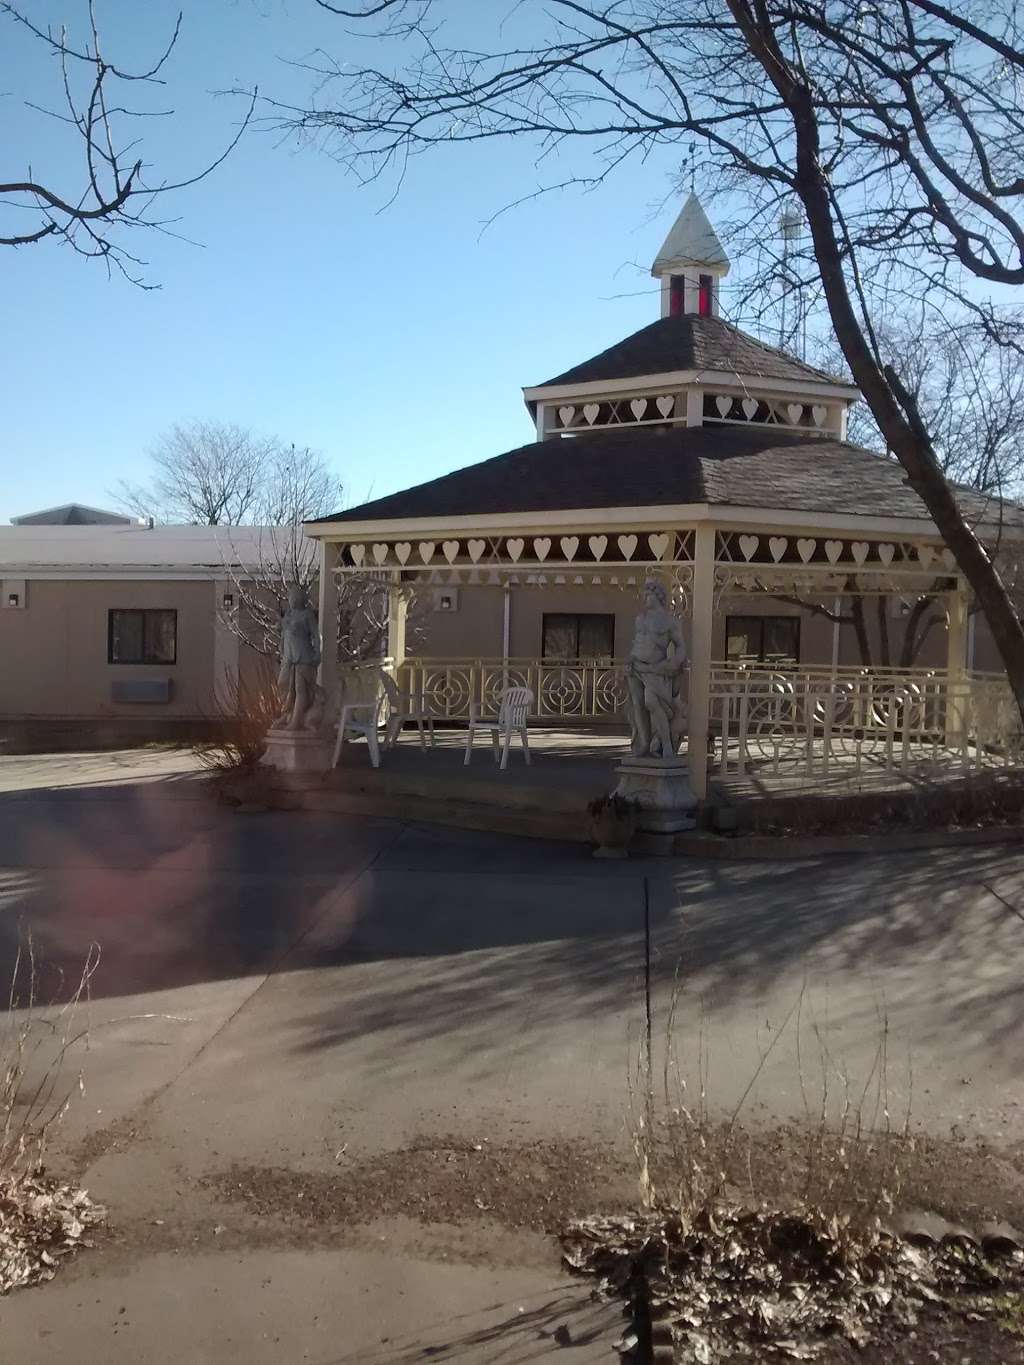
(711, 465)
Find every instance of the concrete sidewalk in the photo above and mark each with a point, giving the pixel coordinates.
(355, 1057)
(339, 1307)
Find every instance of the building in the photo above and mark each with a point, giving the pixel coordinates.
(695, 453)
(114, 632)
(74, 514)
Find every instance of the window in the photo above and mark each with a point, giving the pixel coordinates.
(705, 286)
(766, 639)
(675, 295)
(142, 636)
(578, 636)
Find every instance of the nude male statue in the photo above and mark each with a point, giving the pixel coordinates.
(653, 676)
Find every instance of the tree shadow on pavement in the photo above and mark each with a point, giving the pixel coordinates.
(521, 1331)
(932, 931)
(536, 960)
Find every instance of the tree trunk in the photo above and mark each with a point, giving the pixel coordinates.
(881, 612)
(914, 636)
(891, 406)
(860, 627)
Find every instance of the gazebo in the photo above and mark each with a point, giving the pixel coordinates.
(695, 453)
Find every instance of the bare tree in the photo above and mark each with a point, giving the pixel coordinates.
(895, 127)
(296, 485)
(217, 474)
(283, 556)
(208, 473)
(115, 193)
(969, 392)
(204, 474)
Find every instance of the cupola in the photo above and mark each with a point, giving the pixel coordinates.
(690, 264)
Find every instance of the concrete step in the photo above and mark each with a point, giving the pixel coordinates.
(567, 826)
(506, 791)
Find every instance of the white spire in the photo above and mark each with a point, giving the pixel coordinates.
(691, 242)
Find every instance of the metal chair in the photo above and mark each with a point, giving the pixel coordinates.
(361, 718)
(403, 706)
(512, 714)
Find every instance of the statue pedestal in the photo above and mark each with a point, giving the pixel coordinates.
(296, 751)
(660, 787)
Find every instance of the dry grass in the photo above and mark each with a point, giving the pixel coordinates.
(844, 1158)
(42, 1219)
(243, 713)
(786, 1241)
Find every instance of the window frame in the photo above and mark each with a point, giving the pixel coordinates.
(749, 616)
(141, 662)
(577, 616)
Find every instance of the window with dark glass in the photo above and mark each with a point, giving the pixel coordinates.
(142, 636)
(762, 639)
(705, 285)
(675, 296)
(577, 635)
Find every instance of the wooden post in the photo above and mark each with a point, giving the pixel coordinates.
(397, 608)
(327, 612)
(956, 667)
(701, 623)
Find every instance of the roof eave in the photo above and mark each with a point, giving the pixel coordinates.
(544, 393)
(656, 516)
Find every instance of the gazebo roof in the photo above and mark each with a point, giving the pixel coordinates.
(739, 466)
(691, 342)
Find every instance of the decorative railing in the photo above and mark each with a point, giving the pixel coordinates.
(571, 690)
(772, 719)
(811, 719)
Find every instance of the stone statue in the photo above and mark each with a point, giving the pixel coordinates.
(654, 675)
(300, 656)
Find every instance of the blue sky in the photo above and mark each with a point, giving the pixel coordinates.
(393, 339)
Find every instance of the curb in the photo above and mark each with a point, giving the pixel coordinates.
(783, 848)
(565, 828)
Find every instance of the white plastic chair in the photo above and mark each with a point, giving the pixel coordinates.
(512, 713)
(361, 718)
(403, 706)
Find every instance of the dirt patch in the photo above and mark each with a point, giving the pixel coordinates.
(538, 1185)
(113, 1137)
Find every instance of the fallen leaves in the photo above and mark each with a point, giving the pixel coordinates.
(757, 1282)
(42, 1221)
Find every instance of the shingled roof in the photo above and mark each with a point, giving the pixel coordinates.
(691, 342)
(753, 466)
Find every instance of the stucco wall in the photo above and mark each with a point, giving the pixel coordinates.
(475, 629)
(53, 654)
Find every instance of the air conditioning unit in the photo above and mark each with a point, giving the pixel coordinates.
(140, 691)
